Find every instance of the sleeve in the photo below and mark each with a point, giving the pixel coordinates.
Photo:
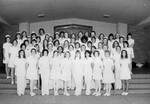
(4, 46)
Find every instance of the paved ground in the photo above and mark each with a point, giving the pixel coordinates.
(61, 99)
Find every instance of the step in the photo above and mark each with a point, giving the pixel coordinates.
(145, 80)
(27, 91)
(139, 86)
(9, 86)
(139, 76)
(5, 81)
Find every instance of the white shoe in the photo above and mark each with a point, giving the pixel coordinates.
(108, 94)
(56, 94)
(105, 94)
(32, 94)
(126, 93)
(94, 93)
(67, 94)
(98, 94)
(123, 93)
(19, 94)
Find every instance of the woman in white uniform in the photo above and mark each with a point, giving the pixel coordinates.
(88, 72)
(125, 73)
(78, 72)
(13, 54)
(44, 71)
(20, 72)
(66, 71)
(117, 59)
(108, 76)
(97, 73)
(55, 71)
(32, 70)
(6, 46)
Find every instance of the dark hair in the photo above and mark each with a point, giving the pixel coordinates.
(76, 44)
(129, 34)
(38, 37)
(125, 42)
(120, 38)
(38, 46)
(15, 40)
(89, 52)
(44, 44)
(32, 34)
(26, 41)
(93, 32)
(33, 49)
(78, 52)
(6, 38)
(55, 52)
(19, 53)
(66, 53)
(18, 34)
(95, 52)
(33, 40)
(44, 50)
(61, 48)
(22, 45)
(23, 33)
(113, 45)
(110, 35)
(55, 42)
(126, 56)
(107, 51)
(100, 36)
(41, 29)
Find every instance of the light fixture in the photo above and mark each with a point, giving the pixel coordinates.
(106, 16)
(41, 15)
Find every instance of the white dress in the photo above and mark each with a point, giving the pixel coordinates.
(6, 47)
(66, 69)
(20, 72)
(32, 72)
(125, 71)
(13, 51)
(98, 66)
(88, 74)
(131, 41)
(78, 74)
(108, 76)
(44, 67)
(55, 69)
(117, 59)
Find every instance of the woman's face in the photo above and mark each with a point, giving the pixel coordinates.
(121, 40)
(50, 46)
(57, 36)
(66, 35)
(45, 53)
(45, 42)
(77, 54)
(96, 54)
(7, 40)
(129, 36)
(18, 36)
(60, 50)
(77, 46)
(71, 48)
(93, 34)
(100, 45)
(66, 43)
(118, 49)
(87, 54)
(73, 36)
(83, 48)
(50, 39)
(86, 34)
(33, 52)
(56, 43)
(124, 53)
(115, 44)
(89, 45)
(23, 47)
(55, 54)
(125, 45)
(105, 48)
(107, 54)
(15, 43)
(67, 55)
(21, 53)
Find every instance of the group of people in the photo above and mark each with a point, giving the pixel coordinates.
(69, 61)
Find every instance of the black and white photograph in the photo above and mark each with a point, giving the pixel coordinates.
(74, 51)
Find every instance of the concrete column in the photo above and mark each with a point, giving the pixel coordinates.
(122, 29)
(25, 26)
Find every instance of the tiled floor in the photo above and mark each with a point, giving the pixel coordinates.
(61, 99)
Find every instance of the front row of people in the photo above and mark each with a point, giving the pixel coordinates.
(68, 72)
